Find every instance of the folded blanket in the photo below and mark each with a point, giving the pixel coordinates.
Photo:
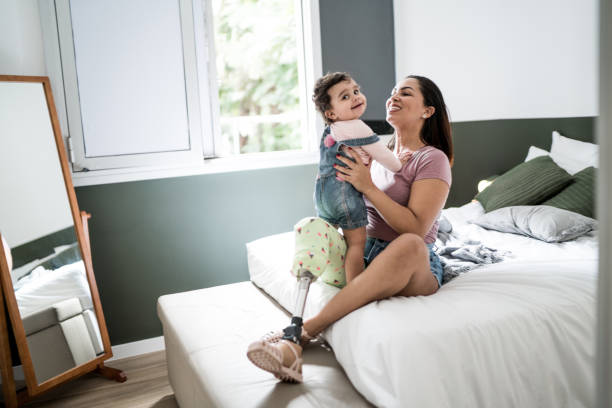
(458, 256)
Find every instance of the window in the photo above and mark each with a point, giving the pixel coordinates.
(257, 75)
(172, 82)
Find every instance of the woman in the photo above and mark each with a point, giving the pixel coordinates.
(403, 209)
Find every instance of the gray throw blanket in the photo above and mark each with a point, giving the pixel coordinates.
(458, 255)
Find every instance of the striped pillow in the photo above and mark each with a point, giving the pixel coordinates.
(579, 196)
(529, 183)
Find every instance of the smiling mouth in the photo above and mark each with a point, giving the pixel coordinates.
(357, 106)
(393, 108)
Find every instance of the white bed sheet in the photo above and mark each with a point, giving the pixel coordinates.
(516, 333)
(44, 287)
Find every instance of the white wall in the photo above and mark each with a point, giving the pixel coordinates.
(499, 59)
(36, 203)
(34, 199)
(21, 47)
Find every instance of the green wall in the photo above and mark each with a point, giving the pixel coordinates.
(490, 147)
(155, 237)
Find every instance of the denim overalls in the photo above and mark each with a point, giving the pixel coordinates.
(337, 202)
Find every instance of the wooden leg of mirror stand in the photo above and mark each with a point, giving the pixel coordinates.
(111, 373)
(104, 371)
(85, 216)
(6, 364)
(22, 397)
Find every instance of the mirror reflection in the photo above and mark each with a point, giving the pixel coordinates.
(48, 272)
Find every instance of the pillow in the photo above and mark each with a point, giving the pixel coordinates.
(579, 196)
(64, 255)
(69, 254)
(529, 183)
(543, 222)
(536, 152)
(573, 155)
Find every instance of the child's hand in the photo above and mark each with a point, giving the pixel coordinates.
(405, 157)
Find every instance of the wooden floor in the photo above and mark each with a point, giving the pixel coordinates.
(146, 387)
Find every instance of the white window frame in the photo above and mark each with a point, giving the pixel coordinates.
(197, 34)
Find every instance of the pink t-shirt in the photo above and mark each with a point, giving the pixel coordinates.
(427, 162)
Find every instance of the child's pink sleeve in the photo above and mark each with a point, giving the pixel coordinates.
(350, 129)
(383, 155)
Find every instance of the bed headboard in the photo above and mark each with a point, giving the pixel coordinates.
(487, 148)
(42, 247)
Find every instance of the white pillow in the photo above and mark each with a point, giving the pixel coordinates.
(573, 155)
(543, 222)
(536, 152)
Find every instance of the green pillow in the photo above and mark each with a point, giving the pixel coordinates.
(529, 183)
(579, 196)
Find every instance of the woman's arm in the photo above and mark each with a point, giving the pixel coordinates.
(427, 197)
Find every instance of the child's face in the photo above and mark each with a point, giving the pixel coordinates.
(347, 101)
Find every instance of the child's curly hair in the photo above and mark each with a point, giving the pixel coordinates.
(320, 97)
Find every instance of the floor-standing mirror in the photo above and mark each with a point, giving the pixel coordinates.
(46, 272)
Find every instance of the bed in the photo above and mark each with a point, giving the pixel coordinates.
(517, 333)
(206, 333)
(56, 310)
(41, 283)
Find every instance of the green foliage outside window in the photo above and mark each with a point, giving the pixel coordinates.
(256, 48)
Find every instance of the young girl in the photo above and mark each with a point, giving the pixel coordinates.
(338, 98)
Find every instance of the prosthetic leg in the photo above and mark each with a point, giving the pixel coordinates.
(293, 332)
(319, 253)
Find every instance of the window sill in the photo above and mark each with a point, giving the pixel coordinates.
(253, 161)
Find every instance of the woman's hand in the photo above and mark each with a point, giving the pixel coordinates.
(405, 157)
(355, 172)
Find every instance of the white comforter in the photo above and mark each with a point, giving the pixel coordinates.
(515, 334)
(44, 287)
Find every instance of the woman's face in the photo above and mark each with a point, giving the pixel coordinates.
(405, 104)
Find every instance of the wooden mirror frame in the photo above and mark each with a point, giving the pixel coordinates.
(80, 225)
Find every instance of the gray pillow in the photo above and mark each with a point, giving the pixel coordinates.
(543, 222)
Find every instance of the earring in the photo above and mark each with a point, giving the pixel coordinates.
(425, 116)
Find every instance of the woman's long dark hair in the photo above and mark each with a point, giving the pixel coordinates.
(436, 130)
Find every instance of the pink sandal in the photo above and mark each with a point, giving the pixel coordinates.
(269, 357)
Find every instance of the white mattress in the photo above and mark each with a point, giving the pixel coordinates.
(44, 287)
(207, 332)
(514, 334)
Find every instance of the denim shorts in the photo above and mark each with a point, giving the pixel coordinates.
(338, 203)
(374, 246)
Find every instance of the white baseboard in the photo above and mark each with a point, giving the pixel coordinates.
(126, 350)
(136, 348)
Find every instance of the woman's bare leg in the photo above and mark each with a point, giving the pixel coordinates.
(400, 269)
(353, 259)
